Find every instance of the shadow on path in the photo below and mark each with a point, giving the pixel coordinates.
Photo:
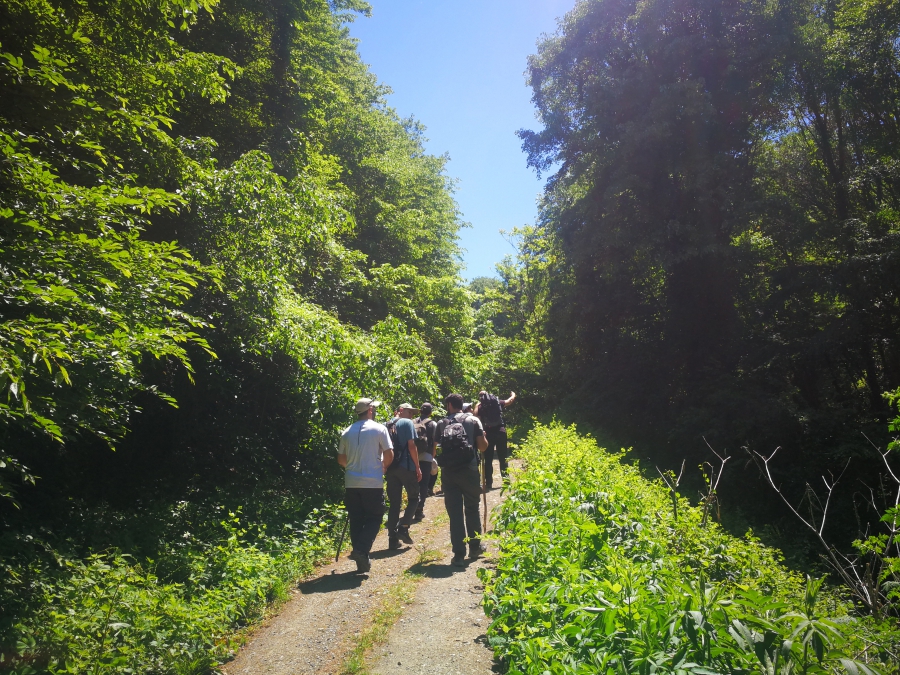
(330, 583)
(434, 570)
(388, 553)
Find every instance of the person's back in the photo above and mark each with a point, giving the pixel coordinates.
(473, 430)
(426, 428)
(462, 489)
(364, 451)
(403, 474)
(363, 442)
(490, 410)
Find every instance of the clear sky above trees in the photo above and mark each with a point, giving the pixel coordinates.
(458, 68)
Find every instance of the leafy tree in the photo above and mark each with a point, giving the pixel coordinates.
(724, 194)
(87, 94)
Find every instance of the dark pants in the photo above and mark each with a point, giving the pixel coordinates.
(397, 479)
(365, 508)
(497, 440)
(425, 483)
(462, 497)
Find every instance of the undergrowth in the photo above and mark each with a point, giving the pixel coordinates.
(596, 575)
(111, 613)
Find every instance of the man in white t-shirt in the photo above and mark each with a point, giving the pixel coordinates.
(365, 451)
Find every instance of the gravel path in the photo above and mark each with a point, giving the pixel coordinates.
(441, 632)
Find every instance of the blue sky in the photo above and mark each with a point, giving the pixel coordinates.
(458, 67)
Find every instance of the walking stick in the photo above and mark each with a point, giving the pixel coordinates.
(484, 490)
(337, 555)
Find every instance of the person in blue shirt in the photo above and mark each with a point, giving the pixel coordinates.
(404, 473)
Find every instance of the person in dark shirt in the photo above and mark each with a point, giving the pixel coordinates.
(497, 439)
(425, 458)
(462, 489)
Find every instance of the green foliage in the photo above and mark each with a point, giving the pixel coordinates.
(214, 236)
(596, 575)
(723, 213)
(85, 146)
(111, 614)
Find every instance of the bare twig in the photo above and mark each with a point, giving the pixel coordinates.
(712, 496)
(672, 482)
(845, 568)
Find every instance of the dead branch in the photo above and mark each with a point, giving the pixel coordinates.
(846, 568)
(711, 496)
(672, 483)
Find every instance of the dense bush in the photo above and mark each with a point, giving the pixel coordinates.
(597, 574)
(110, 613)
(716, 250)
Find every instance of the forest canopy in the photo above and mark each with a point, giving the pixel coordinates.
(716, 253)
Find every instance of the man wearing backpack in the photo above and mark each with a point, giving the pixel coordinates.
(462, 439)
(490, 412)
(365, 452)
(403, 473)
(425, 441)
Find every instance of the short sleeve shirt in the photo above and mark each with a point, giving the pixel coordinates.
(364, 443)
(473, 428)
(406, 431)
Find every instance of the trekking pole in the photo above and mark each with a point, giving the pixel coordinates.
(337, 554)
(484, 490)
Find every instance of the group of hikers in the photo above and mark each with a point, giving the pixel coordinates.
(405, 453)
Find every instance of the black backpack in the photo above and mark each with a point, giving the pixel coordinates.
(490, 412)
(456, 450)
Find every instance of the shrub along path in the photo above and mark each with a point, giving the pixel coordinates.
(412, 613)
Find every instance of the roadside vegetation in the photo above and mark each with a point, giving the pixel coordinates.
(597, 574)
(215, 235)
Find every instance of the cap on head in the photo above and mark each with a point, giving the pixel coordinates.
(363, 404)
(426, 409)
(407, 406)
(467, 407)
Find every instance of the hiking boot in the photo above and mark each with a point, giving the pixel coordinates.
(362, 561)
(403, 533)
(476, 552)
(420, 515)
(458, 561)
(394, 543)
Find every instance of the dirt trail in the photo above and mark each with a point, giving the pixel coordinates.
(441, 632)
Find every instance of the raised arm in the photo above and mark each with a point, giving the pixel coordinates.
(512, 397)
